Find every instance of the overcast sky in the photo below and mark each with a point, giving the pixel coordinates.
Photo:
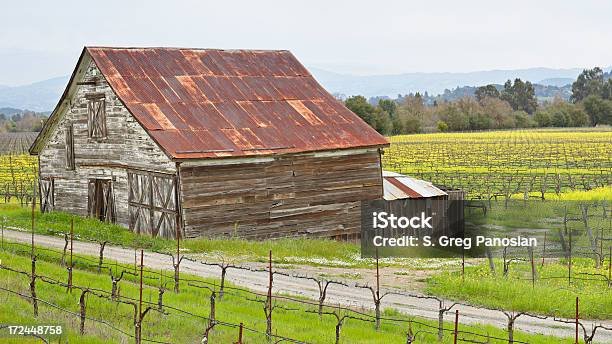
(42, 39)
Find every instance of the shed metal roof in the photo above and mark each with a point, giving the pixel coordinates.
(399, 186)
(203, 103)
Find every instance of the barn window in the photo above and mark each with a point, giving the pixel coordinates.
(152, 203)
(70, 148)
(96, 115)
(100, 200)
(47, 195)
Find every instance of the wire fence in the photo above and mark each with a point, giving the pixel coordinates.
(272, 303)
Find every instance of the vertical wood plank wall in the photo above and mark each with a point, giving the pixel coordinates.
(290, 196)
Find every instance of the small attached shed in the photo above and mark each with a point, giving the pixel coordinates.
(200, 142)
(398, 186)
(401, 191)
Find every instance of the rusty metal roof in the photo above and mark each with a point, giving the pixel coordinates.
(203, 103)
(399, 186)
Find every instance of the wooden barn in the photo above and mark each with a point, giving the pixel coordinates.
(203, 142)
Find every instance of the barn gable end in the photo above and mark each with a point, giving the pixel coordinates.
(126, 146)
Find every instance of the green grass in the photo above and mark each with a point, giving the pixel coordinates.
(290, 250)
(17, 311)
(181, 329)
(553, 296)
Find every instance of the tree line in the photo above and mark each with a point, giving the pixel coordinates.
(512, 106)
(22, 122)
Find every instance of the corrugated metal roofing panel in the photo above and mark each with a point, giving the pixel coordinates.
(250, 102)
(399, 186)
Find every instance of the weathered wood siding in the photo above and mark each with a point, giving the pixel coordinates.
(126, 145)
(308, 194)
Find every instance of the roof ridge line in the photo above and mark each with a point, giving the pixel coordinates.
(185, 48)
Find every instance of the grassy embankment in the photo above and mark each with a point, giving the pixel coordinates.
(290, 250)
(551, 295)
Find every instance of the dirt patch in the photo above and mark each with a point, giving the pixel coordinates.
(390, 277)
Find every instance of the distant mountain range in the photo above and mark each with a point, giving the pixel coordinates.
(9, 111)
(40, 96)
(43, 96)
(436, 83)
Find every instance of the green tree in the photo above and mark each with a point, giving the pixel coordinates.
(578, 117)
(360, 106)
(542, 118)
(488, 91)
(412, 125)
(589, 82)
(562, 114)
(376, 117)
(412, 112)
(397, 127)
(559, 119)
(454, 117)
(520, 95)
(442, 126)
(606, 90)
(388, 106)
(479, 121)
(382, 121)
(598, 109)
(521, 119)
(499, 111)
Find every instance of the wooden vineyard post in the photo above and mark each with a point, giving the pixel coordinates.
(569, 262)
(576, 319)
(610, 268)
(462, 266)
(176, 265)
(33, 216)
(176, 275)
(140, 313)
(82, 307)
(269, 300)
(441, 320)
(103, 244)
(211, 315)
(602, 257)
(533, 271)
(544, 250)
(70, 266)
(239, 334)
(160, 292)
(33, 287)
(456, 332)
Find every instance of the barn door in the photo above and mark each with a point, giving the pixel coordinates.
(164, 206)
(47, 201)
(152, 204)
(139, 199)
(100, 200)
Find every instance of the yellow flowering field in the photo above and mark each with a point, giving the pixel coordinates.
(533, 163)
